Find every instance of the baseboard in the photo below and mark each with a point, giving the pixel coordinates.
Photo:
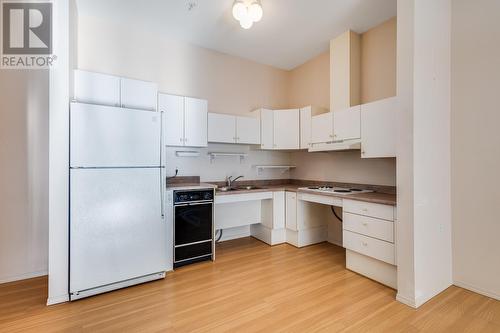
(406, 300)
(58, 299)
(24, 276)
(334, 242)
(235, 233)
(477, 290)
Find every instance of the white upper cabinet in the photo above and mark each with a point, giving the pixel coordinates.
(96, 88)
(305, 127)
(286, 129)
(379, 128)
(195, 122)
(322, 128)
(224, 128)
(247, 130)
(347, 124)
(266, 129)
(173, 119)
(184, 119)
(221, 128)
(136, 94)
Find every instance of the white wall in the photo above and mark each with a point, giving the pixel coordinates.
(230, 84)
(476, 145)
(24, 172)
(424, 200)
(225, 166)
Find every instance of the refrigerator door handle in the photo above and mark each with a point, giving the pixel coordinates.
(162, 198)
(162, 168)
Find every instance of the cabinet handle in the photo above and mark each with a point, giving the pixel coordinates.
(365, 209)
(365, 224)
(362, 153)
(365, 244)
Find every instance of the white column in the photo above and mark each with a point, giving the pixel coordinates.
(423, 164)
(59, 156)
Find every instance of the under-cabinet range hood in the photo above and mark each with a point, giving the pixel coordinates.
(354, 144)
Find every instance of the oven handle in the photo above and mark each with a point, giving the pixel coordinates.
(194, 204)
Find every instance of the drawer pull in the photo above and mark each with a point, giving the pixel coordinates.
(365, 209)
(365, 224)
(365, 244)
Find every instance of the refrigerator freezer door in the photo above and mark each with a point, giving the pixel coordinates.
(103, 136)
(116, 229)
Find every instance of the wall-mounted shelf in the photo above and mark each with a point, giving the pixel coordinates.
(187, 153)
(284, 168)
(214, 155)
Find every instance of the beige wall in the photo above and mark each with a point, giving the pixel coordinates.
(475, 145)
(24, 172)
(378, 62)
(309, 84)
(230, 84)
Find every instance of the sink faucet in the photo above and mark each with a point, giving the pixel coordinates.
(230, 180)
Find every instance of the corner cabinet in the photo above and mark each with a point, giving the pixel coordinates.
(280, 129)
(286, 129)
(224, 128)
(379, 128)
(185, 120)
(305, 127)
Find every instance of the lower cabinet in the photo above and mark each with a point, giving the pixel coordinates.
(369, 239)
(291, 211)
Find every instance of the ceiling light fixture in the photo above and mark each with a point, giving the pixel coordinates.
(247, 12)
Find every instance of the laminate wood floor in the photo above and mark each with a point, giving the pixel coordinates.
(252, 287)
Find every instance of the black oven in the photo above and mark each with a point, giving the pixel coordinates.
(193, 226)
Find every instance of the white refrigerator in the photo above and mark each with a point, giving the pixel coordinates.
(118, 233)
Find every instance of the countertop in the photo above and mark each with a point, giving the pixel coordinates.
(374, 197)
(190, 186)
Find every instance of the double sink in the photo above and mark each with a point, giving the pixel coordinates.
(238, 188)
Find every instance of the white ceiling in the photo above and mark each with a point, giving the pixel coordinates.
(290, 33)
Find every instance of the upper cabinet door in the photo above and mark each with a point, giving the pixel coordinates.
(137, 94)
(195, 122)
(305, 127)
(266, 129)
(286, 129)
(173, 119)
(379, 128)
(221, 128)
(96, 88)
(247, 130)
(322, 128)
(347, 124)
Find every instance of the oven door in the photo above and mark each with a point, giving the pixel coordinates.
(193, 223)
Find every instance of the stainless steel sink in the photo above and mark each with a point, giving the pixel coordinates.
(226, 189)
(248, 187)
(238, 188)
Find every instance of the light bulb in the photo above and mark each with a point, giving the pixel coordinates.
(255, 11)
(239, 10)
(246, 22)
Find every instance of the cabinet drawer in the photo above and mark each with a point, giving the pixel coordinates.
(385, 212)
(369, 226)
(371, 247)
